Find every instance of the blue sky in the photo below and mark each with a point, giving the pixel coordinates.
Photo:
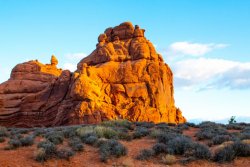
(206, 43)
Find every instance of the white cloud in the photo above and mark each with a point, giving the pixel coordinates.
(193, 49)
(75, 56)
(72, 59)
(207, 73)
(70, 66)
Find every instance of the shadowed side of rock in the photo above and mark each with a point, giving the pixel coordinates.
(33, 94)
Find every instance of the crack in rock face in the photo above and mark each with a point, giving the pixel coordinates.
(123, 78)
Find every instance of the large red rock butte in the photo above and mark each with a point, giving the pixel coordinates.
(123, 78)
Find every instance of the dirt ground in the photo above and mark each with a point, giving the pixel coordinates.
(24, 157)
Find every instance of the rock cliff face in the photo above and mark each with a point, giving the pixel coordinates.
(123, 78)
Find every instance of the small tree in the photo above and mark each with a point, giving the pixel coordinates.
(232, 120)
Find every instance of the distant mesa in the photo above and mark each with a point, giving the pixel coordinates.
(123, 78)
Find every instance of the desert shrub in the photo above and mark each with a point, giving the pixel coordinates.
(55, 137)
(140, 132)
(2, 139)
(171, 124)
(145, 154)
(40, 155)
(208, 124)
(182, 127)
(241, 149)
(101, 141)
(145, 124)
(91, 140)
(245, 133)
(169, 159)
(118, 123)
(64, 153)
(76, 144)
(48, 147)
(209, 129)
(3, 131)
(16, 136)
(180, 144)
(69, 132)
(18, 131)
(244, 136)
(39, 132)
(190, 124)
(166, 137)
(230, 152)
(162, 126)
(111, 148)
(234, 126)
(200, 151)
(83, 131)
(226, 154)
(106, 132)
(13, 144)
(155, 133)
(161, 148)
(246, 141)
(187, 160)
(125, 136)
(27, 141)
(218, 139)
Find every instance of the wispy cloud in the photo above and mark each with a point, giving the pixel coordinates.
(207, 73)
(75, 56)
(193, 49)
(72, 59)
(69, 66)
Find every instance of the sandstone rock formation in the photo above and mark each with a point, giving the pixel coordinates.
(123, 78)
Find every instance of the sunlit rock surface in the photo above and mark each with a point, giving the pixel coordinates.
(123, 78)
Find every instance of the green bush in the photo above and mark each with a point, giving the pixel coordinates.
(106, 132)
(155, 133)
(118, 123)
(83, 131)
